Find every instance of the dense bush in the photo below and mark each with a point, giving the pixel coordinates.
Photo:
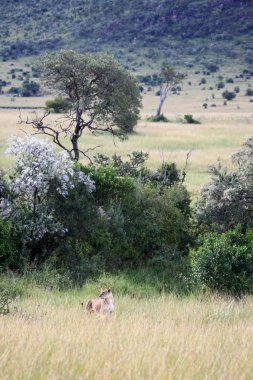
(135, 224)
(158, 119)
(228, 199)
(38, 175)
(58, 105)
(29, 88)
(249, 92)
(228, 95)
(189, 119)
(220, 85)
(224, 262)
(10, 247)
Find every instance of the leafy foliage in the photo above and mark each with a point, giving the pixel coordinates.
(58, 105)
(158, 119)
(228, 95)
(224, 262)
(103, 97)
(38, 173)
(228, 199)
(189, 119)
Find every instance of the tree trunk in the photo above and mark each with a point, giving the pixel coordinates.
(74, 140)
(163, 96)
(76, 134)
(159, 109)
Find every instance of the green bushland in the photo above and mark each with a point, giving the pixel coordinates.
(127, 223)
(137, 232)
(224, 262)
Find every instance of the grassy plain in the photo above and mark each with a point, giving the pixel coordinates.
(163, 337)
(222, 131)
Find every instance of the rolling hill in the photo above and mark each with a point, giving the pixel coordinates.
(171, 27)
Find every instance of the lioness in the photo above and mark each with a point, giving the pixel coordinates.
(103, 304)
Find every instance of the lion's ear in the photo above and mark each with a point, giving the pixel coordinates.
(109, 290)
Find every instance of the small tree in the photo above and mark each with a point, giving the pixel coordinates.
(228, 199)
(170, 78)
(228, 95)
(58, 105)
(38, 173)
(29, 88)
(103, 96)
(249, 92)
(224, 262)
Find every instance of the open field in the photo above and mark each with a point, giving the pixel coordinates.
(218, 136)
(50, 337)
(222, 131)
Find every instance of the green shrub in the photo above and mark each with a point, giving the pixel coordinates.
(228, 95)
(29, 88)
(237, 89)
(10, 247)
(188, 119)
(202, 81)
(224, 262)
(249, 92)
(220, 85)
(109, 185)
(157, 119)
(58, 105)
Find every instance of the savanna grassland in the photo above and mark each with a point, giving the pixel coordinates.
(49, 336)
(222, 131)
(163, 327)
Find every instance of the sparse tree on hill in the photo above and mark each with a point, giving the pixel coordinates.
(170, 78)
(103, 97)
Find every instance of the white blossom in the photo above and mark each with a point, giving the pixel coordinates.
(38, 166)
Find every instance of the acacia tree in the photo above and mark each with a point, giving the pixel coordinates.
(103, 97)
(169, 79)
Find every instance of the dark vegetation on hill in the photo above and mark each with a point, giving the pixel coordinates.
(28, 27)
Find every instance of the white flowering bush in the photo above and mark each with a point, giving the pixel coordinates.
(228, 199)
(40, 173)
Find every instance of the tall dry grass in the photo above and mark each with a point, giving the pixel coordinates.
(50, 337)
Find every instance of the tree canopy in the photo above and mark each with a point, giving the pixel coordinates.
(169, 79)
(103, 97)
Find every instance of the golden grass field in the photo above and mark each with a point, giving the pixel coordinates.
(160, 338)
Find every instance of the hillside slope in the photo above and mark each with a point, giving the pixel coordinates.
(28, 27)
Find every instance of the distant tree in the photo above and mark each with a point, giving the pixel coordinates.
(212, 67)
(29, 88)
(58, 105)
(249, 92)
(228, 95)
(170, 78)
(103, 97)
(220, 85)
